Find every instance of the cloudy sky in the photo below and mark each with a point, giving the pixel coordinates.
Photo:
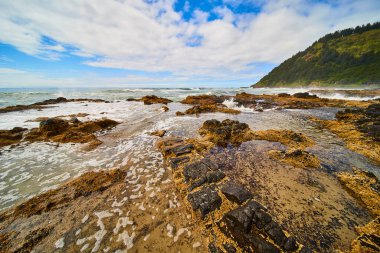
(136, 43)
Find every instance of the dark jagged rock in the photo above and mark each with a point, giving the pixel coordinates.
(205, 200)
(283, 95)
(238, 224)
(210, 177)
(229, 248)
(197, 169)
(239, 218)
(235, 192)
(214, 249)
(261, 218)
(74, 120)
(291, 244)
(275, 232)
(176, 161)
(305, 249)
(182, 149)
(262, 246)
(304, 95)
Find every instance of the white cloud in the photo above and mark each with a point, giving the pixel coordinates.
(153, 37)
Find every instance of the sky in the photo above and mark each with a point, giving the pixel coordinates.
(168, 43)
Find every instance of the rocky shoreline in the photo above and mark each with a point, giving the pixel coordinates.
(232, 188)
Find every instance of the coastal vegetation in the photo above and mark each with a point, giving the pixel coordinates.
(350, 57)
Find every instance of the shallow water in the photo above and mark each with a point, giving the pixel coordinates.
(15, 96)
(29, 169)
(149, 199)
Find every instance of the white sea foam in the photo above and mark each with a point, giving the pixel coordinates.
(232, 104)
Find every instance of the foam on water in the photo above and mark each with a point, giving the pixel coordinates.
(232, 104)
(32, 168)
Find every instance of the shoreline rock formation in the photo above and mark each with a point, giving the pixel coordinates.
(60, 131)
(44, 104)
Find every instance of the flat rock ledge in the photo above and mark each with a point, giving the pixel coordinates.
(231, 217)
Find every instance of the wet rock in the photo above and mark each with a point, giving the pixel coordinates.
(180, 113)
(305, 249)
(239, 218)
(296, 157)
(210, 177)
(152, 99)
(167, 144)
(53, 126)
(165, 108)
(176, 161)
(53, 101)
(84, 185)
(195, 170)
(159, 133)
(261, 218)
(205, 200)
(284, 95)
(203, 100)
(198, 109)
(59, 130)
(74, 120)
(33, 238)
(262, 246)
(212, 248)
(222, 133)
(41, 105)
(291, 244)
(13, 136)
(198, 169)
(304, 95)
(229, 248)
(275, 232)
(235, 192)
(182, 149)
(18, 130)
(373, 111)
(364, 186)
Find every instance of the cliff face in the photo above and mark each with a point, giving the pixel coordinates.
(347, 57)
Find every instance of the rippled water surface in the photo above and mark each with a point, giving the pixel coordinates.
(29, 169)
